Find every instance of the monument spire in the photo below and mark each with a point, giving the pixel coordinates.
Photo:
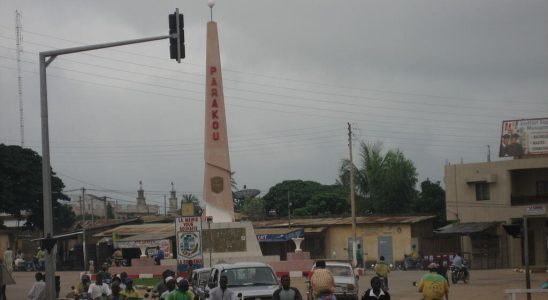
(211, 3)
(217, 188)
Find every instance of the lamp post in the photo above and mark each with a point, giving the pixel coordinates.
(209, 220)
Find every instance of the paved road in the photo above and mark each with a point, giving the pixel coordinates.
(484, 284)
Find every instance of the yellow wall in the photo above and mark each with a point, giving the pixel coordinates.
(4, 244)
(337, 240)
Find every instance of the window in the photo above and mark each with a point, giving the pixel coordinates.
(482, 191)
(542, 188)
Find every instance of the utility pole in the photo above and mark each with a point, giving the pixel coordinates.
(352, 199)
(288, 211)
(19, 50)
(92, 215)
(488, 153)
(83, 206)
(45, 58)
(116, 209)
(105, 206)
(165, 206)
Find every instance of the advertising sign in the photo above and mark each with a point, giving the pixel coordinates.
(189, 243)
(524, 137)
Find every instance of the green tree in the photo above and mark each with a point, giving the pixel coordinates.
(190, 198)
(385, 183)
(431, 200)
(254, 208)
(21, 188)
(308, 198)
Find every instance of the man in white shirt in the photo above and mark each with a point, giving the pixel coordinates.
(38, 290)
(222, 292)
(99, 289)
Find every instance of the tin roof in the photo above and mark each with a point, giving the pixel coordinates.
(275, 230)
(466, 228)
(315, 222)
(148, 237)
(129, 230)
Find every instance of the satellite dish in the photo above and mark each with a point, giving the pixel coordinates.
(246, 193)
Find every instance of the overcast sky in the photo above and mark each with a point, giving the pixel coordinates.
(432, 78)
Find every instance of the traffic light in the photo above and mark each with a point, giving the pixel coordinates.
(177, 36)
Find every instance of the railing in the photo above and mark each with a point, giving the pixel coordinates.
(512, 292)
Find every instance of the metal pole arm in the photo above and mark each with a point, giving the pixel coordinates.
(101, 46)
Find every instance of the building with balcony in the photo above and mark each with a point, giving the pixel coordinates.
(483, 198)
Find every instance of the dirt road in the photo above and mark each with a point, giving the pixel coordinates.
(484, 284)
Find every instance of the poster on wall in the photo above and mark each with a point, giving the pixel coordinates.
(189, 243)
(524, 137)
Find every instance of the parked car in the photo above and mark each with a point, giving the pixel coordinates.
(249, 280)
(198, 281)
(346, 280)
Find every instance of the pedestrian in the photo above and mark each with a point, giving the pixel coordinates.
(38, 290)
(359, 256)
(130, 292)
(105, 274)
(182, 292)
(382, 269)
(19, 261)
(5, 279)
(161, 286)
(189, 269)
(221, 292)
(99, 289)
(41, 257)
(123, 280)
(432, 285)
(82, 287)
(322, 282)
(159, 255)
(8, 259)
(171, 284)
(287, 292)
(116, 291)
(375, 292)
(118, 257)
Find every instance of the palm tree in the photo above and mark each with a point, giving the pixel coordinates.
(189, 198)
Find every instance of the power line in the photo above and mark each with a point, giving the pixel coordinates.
(393, 123)
(316, 100)
(293, 80)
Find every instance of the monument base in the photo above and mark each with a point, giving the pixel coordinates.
(232, 242)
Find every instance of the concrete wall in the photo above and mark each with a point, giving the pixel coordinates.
(337, 240)
(517, 177)
(461, 193)
(4, 243)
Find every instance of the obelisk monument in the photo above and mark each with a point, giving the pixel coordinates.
(217, 188)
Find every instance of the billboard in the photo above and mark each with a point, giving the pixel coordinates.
(524, 137)
(189, 243)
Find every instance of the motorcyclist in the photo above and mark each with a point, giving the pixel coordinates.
(432, 285)
(458, 263)
(411, 259)
(382, 269)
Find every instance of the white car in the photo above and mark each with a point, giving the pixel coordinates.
(249, 280)
(346, 281)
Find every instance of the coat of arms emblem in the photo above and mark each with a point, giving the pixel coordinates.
(217, 185)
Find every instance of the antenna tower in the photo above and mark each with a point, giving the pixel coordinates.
(19, 50)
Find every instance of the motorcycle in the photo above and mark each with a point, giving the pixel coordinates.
(412, 264)
(458, 274)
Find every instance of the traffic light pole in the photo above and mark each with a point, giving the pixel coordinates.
(45, 59)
